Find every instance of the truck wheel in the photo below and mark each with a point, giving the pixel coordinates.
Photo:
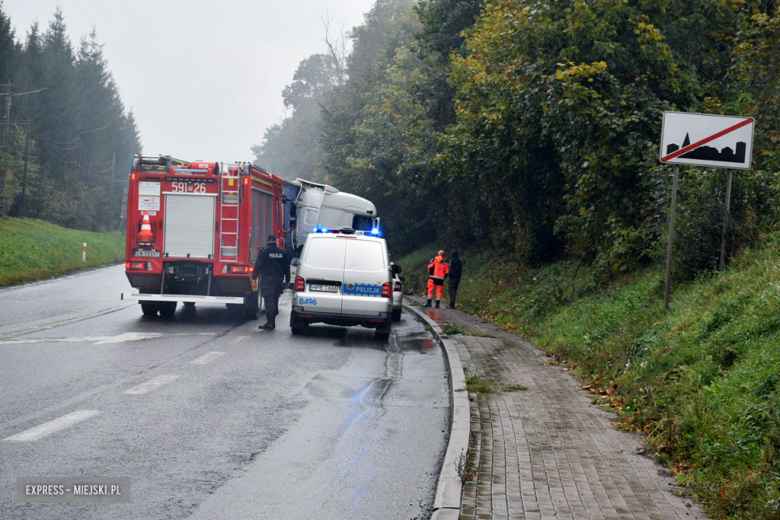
(189, 304)
(397, 315)
(149, 309)
(167, 309)
(251, 305)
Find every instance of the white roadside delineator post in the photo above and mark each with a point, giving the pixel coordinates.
(84, 252)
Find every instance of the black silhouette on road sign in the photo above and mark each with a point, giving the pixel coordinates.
(708, 153)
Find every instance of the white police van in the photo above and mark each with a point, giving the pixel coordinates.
(343, 278)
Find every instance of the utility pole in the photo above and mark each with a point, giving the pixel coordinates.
(7, 120)
(23, 208)
(9, 96)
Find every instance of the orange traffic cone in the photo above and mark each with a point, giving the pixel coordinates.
(146, 235)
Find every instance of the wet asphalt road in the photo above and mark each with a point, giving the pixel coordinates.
(209, 417)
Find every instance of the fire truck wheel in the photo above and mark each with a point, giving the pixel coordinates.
(149, 309)
(251, 306)
(167, 309)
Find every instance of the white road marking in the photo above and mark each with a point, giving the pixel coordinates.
(102, 340)
(145, 388)
(207, 358)
(39, 432)
(235, 341)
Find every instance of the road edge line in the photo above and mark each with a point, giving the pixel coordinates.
(449, 488)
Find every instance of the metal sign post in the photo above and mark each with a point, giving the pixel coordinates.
(671, 238)
(704, 140)
(722, 262)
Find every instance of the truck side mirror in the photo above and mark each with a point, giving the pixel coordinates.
(295, 262)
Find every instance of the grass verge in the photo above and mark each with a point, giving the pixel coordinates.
(701, 383)
(34, 250)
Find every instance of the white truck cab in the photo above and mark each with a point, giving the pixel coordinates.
(321, 205)
(343, 278)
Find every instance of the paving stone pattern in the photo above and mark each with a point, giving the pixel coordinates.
(547, 452)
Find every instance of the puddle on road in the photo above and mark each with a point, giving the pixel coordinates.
(408, 338)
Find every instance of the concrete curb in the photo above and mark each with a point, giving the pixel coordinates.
(449, 489)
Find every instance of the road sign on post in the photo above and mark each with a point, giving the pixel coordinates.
(706, 140)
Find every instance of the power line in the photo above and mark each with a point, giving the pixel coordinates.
(77, 140)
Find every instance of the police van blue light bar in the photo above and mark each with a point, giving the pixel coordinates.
(373, 233)
(320, 229)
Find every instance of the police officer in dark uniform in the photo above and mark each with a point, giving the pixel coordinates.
(273, 266)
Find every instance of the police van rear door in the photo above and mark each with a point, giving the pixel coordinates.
(365, 272)
(322, 268)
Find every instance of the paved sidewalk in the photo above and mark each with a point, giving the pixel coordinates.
(547, 452)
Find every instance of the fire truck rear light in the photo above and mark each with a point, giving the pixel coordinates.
(398, 287)
(386, 290)
(237, 269)
(300, 284)
(138, 266)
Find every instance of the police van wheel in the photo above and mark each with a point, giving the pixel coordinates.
(297, 325)
(149, 309)
(383, 333)
(397, 315)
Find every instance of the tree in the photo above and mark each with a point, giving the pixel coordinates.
(82, 138)
(8, 48)
(291, 148)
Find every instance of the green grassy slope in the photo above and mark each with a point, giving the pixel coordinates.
(702, 382)
(33, 250)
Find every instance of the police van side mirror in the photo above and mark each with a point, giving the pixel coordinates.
(295, 262)
(396, 269)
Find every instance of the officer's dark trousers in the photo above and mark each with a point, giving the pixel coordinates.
(271, 289)
(454, 282)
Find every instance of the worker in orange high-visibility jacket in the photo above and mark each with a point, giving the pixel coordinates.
(438, 269)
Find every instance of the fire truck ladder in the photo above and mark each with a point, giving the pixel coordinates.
(228, 217)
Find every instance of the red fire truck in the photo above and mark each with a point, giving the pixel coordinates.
(193, 232)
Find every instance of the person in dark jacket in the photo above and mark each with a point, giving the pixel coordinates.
(456, 271)
(273, 267)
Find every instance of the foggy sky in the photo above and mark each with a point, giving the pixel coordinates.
(203, 78)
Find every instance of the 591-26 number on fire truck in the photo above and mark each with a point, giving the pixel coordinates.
(188, 187)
